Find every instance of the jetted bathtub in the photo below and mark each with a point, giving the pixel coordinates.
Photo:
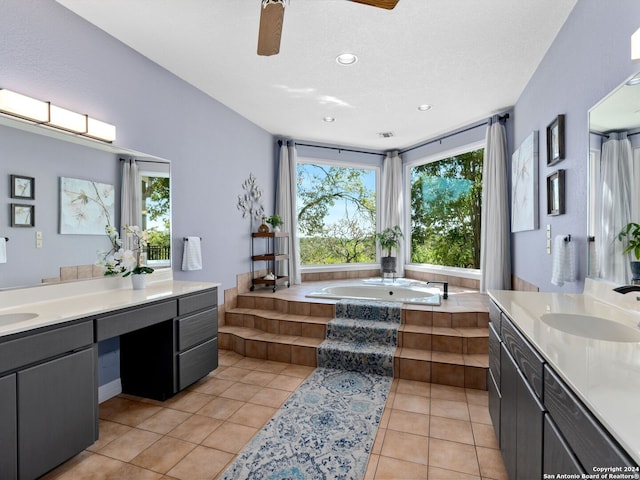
(375, 289)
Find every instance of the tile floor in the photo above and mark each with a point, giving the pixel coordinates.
(428, 431)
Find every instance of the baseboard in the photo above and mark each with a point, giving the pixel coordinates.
(109, 390)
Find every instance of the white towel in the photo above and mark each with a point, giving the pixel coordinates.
(192, 254)
(3, 250)
(564, 265)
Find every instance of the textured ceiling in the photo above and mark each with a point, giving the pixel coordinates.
(469, 59)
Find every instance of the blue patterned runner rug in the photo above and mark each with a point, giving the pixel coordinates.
(325, 431)
(362, 338)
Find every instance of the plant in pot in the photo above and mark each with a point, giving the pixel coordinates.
(275, 221)
(388, 240)
(631, 233)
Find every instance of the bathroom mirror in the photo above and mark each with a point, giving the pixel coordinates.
(614, 179)
(36, 253)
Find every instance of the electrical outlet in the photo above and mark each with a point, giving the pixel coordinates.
(38, 239)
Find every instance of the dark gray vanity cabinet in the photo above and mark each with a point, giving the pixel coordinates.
(8, 428)
(47, 397)
(165, 346)
(542, 427)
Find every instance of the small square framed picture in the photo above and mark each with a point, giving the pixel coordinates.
(23, 215)
(23, 187)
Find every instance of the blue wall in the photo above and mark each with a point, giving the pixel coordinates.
(50, 53)
(589, 58)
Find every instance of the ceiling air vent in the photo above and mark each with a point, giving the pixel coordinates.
(385, 134)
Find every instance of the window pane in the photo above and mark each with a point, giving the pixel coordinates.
(156, 218)
(446, 198)
(336, 214)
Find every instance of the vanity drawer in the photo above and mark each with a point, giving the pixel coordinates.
(134, 319)
(495, 315)
(529, 362)
(197, 328)
(36, 347)
(197, 362)
(587, 438)
(198, 301)
(494, 354)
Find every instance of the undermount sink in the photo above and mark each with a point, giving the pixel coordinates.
(7, 318)
(588, 326)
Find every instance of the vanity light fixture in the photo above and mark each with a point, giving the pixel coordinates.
(44, 113)
(635, 45)
(346, 59)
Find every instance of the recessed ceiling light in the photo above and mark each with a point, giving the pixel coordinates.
(329, 119)
(346, 59)
(424, 107)
(385, 134)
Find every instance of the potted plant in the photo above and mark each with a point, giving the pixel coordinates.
(631, 233)
(119, 261)
(275, 221)
(388, 240)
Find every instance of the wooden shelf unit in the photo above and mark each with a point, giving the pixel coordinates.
(270, 256)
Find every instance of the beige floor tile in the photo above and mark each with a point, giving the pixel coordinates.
(484, 435)
(196, 428)
(164, 421)
(480, 414)
(409, 422)
(299, 371)
(230, 437)
(109, 431)
(453, 456)
(201, 463)
(132, 472)
(394, 469)
(252, 415)
(372, 465)
(129, 445)
(414, 388)
(377, 444)
(411, 403)
(491, 463)
(233, 373)
(187, 401)
(212, 386)
(272, 367)
(241, 391)
(477, 397)
(270, 397)
(286, 382)
(127, 412)
(86, 469)
(447, 392)
(436, 473)
(451, 429)
(220, 408)
(406, 446)
(450, 409)
(163, 455)
(259, 378)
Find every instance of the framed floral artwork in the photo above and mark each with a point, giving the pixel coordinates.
(524, 185)
(23, 187)
(23, 215)
(86, 207)
(555, 193)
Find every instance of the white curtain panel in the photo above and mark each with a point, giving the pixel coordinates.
(286, 208)
(392, 202)
(130, 200)
(495, 248)
(616, 171)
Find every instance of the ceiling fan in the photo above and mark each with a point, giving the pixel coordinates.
(272, 16)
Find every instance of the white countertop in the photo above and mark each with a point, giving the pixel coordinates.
(63, 302)
(605, 375)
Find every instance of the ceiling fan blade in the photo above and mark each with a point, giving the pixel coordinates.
(271, 18)
(388, 4)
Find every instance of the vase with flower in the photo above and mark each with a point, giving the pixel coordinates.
(127, 262)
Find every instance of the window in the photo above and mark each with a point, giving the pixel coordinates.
(156, 216)
(446, 198)
(336, 207)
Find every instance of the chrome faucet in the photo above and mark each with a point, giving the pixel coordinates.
(627, 288)
(445, 287)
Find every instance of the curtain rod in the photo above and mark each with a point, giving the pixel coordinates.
(340, 149)
(453, 134)
(145, 161)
